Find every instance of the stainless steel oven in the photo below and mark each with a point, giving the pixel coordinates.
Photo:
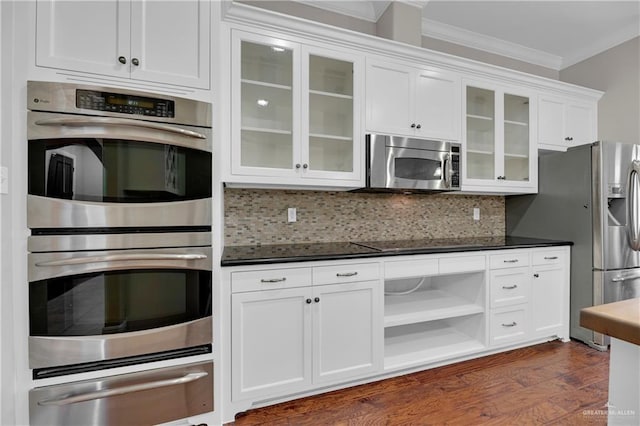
(106, 300)
(101, 158)
(404, 164)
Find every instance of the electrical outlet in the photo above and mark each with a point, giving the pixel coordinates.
(476, 213)
(4, 180)
(291, 214)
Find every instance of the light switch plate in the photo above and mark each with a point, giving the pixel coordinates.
(476, 213)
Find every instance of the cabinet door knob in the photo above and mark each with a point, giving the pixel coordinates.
(122, 59)
(308, 301)
(413, 125)
(536, 275)
(298, 166)
(135, 61)
(305, 166)
(418, 126)
(317, 299)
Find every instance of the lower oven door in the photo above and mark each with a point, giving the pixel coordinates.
(92, 306)
(145, 398)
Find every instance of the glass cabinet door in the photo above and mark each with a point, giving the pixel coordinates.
(330, 94)
(516, 138)
(481, 135)
(266, 97)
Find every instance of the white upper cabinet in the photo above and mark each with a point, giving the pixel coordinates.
(164, 42)
(499, 152)
(412, 101)
(563, 123)
(295, 114)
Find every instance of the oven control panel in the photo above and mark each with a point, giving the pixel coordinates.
(125, 104)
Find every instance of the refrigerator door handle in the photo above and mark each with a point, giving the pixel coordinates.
(633, 206)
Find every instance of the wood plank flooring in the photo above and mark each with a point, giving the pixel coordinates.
(553, 383)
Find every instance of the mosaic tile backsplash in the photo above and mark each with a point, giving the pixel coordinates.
(254, 217)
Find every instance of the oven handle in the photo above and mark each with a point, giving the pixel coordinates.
(73, 399)
(109, 121)
(122, 257)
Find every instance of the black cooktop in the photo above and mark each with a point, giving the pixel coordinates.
(282, 253)
(433, 243)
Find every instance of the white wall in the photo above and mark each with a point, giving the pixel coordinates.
(617, 72)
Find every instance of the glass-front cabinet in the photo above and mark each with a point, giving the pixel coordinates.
(499, 150)
(295, 114)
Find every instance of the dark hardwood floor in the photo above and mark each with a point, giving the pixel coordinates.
(552, 383)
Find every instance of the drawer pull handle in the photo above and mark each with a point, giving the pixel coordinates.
(346, 274)
(550, 257)
(536, 275)
(512, 324)
(511, 261)
(273, 280)
(509, 287)
(106, 393)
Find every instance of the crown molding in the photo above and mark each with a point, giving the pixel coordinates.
(366, 10)
(613, 39)
(489, 44)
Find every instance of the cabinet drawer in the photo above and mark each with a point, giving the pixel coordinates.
(509, 260)
(410, 268)
(335, 274)
(270, 279)
(509, 286)
(548, 257)
(462, 264)
(508, 324)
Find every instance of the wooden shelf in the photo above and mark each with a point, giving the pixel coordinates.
(426, 305)
(413, 345)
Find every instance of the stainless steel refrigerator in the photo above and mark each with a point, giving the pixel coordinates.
(589, 195)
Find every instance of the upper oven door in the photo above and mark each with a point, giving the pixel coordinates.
(89, 171)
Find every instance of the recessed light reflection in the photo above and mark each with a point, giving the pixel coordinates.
(262, 102)
(277, 49)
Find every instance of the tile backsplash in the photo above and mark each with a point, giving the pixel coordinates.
(255, 216)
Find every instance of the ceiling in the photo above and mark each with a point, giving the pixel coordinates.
(553, 34)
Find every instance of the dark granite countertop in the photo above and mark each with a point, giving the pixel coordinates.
(285, 253)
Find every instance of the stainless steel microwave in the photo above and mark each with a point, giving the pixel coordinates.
(407, 164)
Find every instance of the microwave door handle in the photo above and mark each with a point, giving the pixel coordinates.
(110, 121)
(446, 173)
(89, 396)
(633, 206)
(121, 257)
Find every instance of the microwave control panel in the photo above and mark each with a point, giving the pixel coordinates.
(125, 104)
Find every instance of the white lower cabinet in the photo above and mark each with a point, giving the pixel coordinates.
(309, 326)
(288, 340)
(549, 295)
(529, 295)
(270, 342)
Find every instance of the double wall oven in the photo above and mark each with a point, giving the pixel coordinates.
(120, 268)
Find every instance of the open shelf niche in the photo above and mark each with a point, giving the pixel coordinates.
(443, 317)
